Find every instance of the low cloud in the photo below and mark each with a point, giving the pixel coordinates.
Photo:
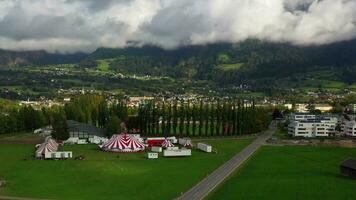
(84, 25)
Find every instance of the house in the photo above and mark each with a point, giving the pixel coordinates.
(301, 107)
(301, 116)
(348, 168)
(323, 107)
(83, 131)
(311, 126)
(351, 108)
(349, 128)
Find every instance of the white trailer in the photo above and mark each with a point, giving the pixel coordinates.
(152, 155)
(97, 140)
(174, 153)
(172, 148)
(59, 155)
(71, 140)
(82, 141)
(205, 147)
(156, 149)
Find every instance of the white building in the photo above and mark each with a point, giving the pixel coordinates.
(312, 126)
(349, 128)
(301, 116)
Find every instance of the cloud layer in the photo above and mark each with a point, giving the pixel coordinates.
(83, 25)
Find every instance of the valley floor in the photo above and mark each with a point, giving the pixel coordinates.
(104, 175)
(291, 172)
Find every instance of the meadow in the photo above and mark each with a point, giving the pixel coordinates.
(104, 175)
(291, 172)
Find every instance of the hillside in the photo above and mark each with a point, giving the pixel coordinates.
(23, 58)
(271, 69)
(235, 63)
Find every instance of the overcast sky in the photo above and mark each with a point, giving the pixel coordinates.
(84, 25)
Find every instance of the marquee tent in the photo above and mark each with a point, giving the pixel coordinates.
(167, 143)
(50, 145)
(123, 143)
(188, 144)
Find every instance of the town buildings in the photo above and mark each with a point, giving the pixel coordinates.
(309, 125)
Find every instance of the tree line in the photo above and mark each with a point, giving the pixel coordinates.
(177, 117)
(202, 118)
(90, 109)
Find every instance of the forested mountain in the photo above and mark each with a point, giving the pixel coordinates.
(234, 63)
(254, 62)
(23, 58)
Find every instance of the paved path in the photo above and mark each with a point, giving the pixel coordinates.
(204, 187)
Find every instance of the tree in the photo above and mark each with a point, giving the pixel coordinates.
(193, 113)
(113, 126)
(60, 127)
(200, 116)
(310, 107)
(277, 114)
(175, 117)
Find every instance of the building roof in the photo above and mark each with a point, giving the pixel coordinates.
(302, 113)
(309, 121)
(349, 164)
(74, 126)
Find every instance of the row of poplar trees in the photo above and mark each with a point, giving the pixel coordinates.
(202, 118)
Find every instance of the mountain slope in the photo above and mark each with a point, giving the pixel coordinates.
(20, 58)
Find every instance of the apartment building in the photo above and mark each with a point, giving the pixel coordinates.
(308, 126)
(349, 128)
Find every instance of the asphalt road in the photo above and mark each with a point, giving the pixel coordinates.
(204, 187)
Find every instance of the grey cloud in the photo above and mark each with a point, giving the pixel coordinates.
(72, 25)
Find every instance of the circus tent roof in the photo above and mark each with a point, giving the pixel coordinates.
(50, 145)
(123, 143)
(167, 143)
(188, 143)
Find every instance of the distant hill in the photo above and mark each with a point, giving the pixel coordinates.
(258, 63)
(20, 58)
(234, 63)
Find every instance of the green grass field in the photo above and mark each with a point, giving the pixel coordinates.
(230, 67)
(106, 175)
(291, 173)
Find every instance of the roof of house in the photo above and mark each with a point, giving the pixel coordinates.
(302, 113)
(349, 164)
(74, 126)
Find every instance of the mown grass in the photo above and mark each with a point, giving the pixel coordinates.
(104, 175)
(291, 173)
(230, 67)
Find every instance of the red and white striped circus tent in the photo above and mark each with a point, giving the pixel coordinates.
(167, 143)
(50, 145)
(188, 144)
(123, 143)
